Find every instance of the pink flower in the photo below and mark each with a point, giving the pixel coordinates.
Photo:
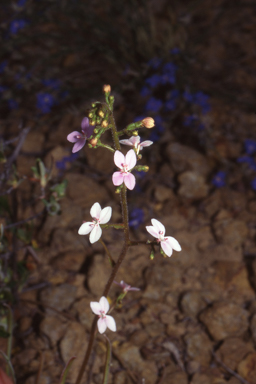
(167, 243)
(101, 308)
(125, 163)
(80, 138)
(126, 287)
(134, 141)
(100, 216)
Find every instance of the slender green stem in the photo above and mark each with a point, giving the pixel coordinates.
(100, 144)
(111, 260)
(108, 359)
(10, 331)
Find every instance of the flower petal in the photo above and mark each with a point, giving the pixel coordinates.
(130, 159)
(111, 324)
(130, 180)
(95, 307)
(158, 226)
(152, 231)
(78, 145)
(105, 215)
(86, 228)
(118, 159)
(95, 234)
(174, 243)
(126, 142)
(135, 140)
(104, 304)
(85, 123)
(72, 137)
(117, 178)
(102, 325)
(95, 211)
(146, 143)
(167, 248)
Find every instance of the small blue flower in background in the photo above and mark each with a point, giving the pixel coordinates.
(3, 88)
(250, 146)
(189, 120)
(52, 83)
(159, 124)
(170, 104)
(138, 118)
(202, 100)
(248, 160)
(219, 180)
(188, 96)
(16, 25)
(13, 104)
(145, 91)
(154, 80)
(21, 3)
(136, 217)
(154, 63)
(45, 101)
(153, 105)
(3, 65)
(169, 73)
(253, 184)
(61, 165)
(175, 51)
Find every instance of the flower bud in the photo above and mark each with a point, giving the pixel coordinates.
(93, 142)
(104, 124)
(135, 133)
(93, 105)
(101, 113)
(148, 122)
(106, 88)
(152, 255)
(90, 115)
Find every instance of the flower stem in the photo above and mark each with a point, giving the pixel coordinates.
(111, 260)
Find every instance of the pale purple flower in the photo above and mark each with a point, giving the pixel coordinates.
(100, 216)
(101, 308)
(167, 243)
(134, 142)
(125, 164)
(80, 138)
(126, 287)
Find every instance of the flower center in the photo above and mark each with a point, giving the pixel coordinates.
(124, 168)
(161, 236)
(96, 222)
(102, 315)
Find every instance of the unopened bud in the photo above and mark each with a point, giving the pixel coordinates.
(96, 130)
(118, 190)
(93, 142)
(101, 113)
(106, 88)
(98, 120)
(135, 133)
(90, 115)
(104, 124)
(93, 105)
(152, 255)
(148, 122)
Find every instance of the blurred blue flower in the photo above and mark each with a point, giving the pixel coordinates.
(188, 96)
(21, 3)
(13, 104)
(136, 217)
(253, 184)
(145, 91)
(202, 100)
(189, 120)
(3, 88)
(154, 136)
(138, 118)
(169, 73)
(158, 124)
(52, 83)
(219, 180)
(250, 146)
(16, 25)
(175, 51)
(45, 101)
(153, 105)
(3, 65)
(170, 105)
(245, 159)
(154, 63)
(61, 165)
(153, 81)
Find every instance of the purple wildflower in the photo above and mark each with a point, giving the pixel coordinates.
(126, 287)
(80, 138)
(45, 101)
(219, 180)
(16, 25)
(250, 146)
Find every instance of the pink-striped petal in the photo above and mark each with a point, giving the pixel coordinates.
(95, 211)
(173, 243)
(129, 180)
(95, 234)
(111, 324)
(130, 159)
(86, 228)
(72, 137)
(158, 226)
(126, 142)
(102, 325)
(118, 159)
(152, 231)
(105, 215)
(104, 304)
(117, 178)
(95, 307)
(135, 140)
(146, 143)
(167, 248)
(78, 145)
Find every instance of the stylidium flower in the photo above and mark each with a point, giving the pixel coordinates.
(126, 287)
(101, 308)
(167, 243)
(125, 164)
(80, 138)
(134, 141)
(100, 216)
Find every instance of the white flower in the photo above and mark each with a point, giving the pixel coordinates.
(101, 308)
(167, 243)
(100, 216)
(134, 142)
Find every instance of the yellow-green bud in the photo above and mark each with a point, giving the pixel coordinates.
(101, 113)
(104, 124)
(93, 142)
(135, 133)
(106, 88)
(91, 115)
